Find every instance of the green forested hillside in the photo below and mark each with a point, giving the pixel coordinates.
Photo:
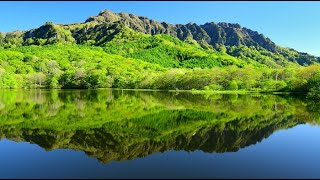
(70, 66)
(113, 50)
(169, 51)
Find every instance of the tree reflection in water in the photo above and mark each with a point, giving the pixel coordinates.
(113, 125)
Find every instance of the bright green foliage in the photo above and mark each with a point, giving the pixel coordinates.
(233, 85)
(314, 86)
(168, 51)
(80, 66)
(70, 66)
(284, 58)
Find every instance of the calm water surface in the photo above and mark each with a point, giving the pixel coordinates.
(141, 134)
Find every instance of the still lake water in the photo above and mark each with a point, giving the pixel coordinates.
(150, 134)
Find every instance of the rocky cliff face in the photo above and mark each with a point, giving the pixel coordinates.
(227, 34)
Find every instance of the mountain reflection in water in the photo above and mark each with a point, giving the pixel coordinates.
(115, 125)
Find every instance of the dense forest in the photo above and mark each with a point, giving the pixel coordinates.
(118, 50)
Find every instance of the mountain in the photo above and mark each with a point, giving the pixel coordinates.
(210, 34)
(223, 37)
(106, 147)
(119, 50)
(214, 34)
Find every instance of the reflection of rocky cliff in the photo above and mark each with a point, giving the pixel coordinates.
(123, 125)
(106, 147)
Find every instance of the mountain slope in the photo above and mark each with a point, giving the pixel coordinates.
(213, 34)
(237, 41)
(126, 51)
(169, 51)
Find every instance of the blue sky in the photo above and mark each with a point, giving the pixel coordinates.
(289, 24)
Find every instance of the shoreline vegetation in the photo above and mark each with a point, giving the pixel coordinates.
(192, 91)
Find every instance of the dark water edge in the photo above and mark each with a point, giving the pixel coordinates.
(155, 134)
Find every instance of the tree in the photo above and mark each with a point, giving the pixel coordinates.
(98, 79)
(216, 87)
(314, 86)
(53, 81)
(233, 85)
(1, 39)
(39, 79)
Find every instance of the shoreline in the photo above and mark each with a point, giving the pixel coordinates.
(161, 90)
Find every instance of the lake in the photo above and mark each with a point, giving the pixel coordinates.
(156, 134)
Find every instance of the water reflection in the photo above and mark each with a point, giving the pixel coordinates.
(113, 125)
